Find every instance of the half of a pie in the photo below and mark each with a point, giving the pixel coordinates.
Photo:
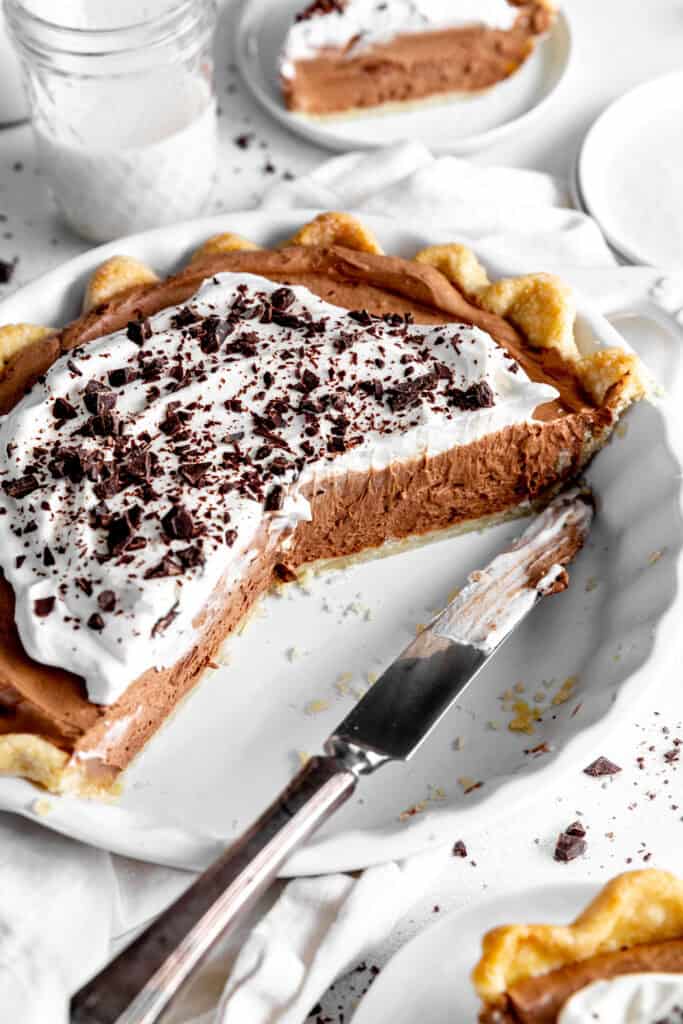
(185, 443)
(346, 56)
(623, 953)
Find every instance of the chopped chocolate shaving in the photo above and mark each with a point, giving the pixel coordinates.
(477, 396)
(194, 473)
(138, 331)
(63, 410)
(124, 375)
(569, 847)
(408, 392)
(21, 487)
(48, 557)
(168, 566)
(98, 398)
(191, 556)
(96, 622)
(84, 585)
(275, 499)
(106, 600)
(42, 606)
(575, 829)
(6, 271)
(122, 529)
(601, 766)
(165, 621)
(459, 849)
(178, 523)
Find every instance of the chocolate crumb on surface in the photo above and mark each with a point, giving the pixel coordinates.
(601, 766)
(571, 843)
(459, 849)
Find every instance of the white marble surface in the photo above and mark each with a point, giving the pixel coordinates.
(633, 818)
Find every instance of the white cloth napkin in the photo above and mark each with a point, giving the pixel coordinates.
(62, 903)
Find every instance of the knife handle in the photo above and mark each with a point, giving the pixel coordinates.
(138, 985)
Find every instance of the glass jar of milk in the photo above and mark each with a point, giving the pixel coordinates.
(123, 107)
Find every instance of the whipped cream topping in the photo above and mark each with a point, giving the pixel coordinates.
(357, 25)
(141, 475)
(628, 999)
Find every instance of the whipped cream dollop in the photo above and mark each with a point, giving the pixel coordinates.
(357, 25)
(628, 999)
(147, 467)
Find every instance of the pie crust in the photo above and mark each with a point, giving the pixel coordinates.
(49, 731)
(638, 911)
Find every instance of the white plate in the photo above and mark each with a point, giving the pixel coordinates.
(630, 173)
(429, 979)
(459, 125)
(234, 743)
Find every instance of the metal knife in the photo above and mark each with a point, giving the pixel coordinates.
(389, 724)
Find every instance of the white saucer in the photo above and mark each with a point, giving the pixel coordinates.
(429, 979)
(630, 173)
(460, 125)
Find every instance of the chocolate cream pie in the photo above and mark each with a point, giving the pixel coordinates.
(346, 56)
(620, 962)
(186, 443)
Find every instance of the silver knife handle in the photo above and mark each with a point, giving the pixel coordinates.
(138, 985)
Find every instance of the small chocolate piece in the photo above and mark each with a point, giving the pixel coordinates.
(318, 7)
(477, 396)
(63, 410)
(194, 472)
(96, 622)
(575, 829)
(459, 849)
(6, 271)
(122, 529)
(21, 487)
(165, 621)
(168, 566)
(570, 843)
(178, 523)
(42, 606)
(601, 766)
(98, 399)
(282, 298)
(124, 375)
(138, 331)
(275, 499)
(106, 600)
(48, 557)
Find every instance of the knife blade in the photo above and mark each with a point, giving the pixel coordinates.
(400, 710)
(389, 723)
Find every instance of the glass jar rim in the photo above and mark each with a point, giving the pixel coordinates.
(42, 35)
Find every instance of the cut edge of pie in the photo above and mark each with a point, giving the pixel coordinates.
(540, 306)
(413, 67)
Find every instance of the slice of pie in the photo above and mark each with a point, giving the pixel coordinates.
(620, 961)
(346, 56)
(186, 443)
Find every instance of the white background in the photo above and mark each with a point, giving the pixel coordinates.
(634, 818)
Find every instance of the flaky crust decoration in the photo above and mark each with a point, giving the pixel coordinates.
(115, 276)
(336, 229)
(227, 242)
(634, 908)
(540, 305)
